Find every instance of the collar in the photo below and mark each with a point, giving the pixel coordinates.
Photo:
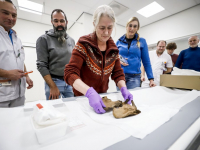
(91, 39)
(123, 38)
(10, 31)
(193, 48)
(2, 29)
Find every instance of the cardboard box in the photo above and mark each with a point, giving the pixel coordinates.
(180, 81)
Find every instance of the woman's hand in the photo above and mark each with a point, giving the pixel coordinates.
(142, 78)
(95, 101)
(124, 64)
(126, 94)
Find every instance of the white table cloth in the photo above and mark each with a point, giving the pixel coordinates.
(157, 106)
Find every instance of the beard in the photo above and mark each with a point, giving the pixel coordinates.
(61, 34)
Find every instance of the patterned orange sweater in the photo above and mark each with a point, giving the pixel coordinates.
(87, 63)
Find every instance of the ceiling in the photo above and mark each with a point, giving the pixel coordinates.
(74, 9)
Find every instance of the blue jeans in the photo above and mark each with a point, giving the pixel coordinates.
(64, 88)
(132, 81)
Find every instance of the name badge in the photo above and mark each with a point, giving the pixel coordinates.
(5, 83)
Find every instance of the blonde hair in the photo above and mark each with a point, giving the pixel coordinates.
(135, 19)
(103, 10)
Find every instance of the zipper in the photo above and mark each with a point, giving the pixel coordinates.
(129, 47)
(102, 68)
(103, 65)
(128, 51)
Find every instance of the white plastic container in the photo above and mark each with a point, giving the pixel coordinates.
(49, 133)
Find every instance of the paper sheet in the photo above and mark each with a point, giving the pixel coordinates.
(91, 136)
(157, 106)
(177, 71)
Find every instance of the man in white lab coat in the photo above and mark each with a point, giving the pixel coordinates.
(13, 78)
(161, 62)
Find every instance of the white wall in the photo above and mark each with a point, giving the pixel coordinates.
(29, 32)
(77, 30)
(179, 25)
(37, 92)
(181, 45)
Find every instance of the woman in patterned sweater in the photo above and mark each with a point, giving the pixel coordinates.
(94, 59)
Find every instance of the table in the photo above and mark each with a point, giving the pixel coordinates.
(181, 132)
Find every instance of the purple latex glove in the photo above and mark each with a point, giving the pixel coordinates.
(126, 94)
(95, 101)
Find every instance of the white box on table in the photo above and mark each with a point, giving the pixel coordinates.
(49, 133)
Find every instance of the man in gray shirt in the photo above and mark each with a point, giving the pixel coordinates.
(54, 50)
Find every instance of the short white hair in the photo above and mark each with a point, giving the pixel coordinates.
(193, 36)
(103, 10)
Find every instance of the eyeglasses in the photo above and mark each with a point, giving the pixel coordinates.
(134, 26)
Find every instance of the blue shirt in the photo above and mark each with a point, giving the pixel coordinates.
(189, 58)
(134, 55)
(10, 35)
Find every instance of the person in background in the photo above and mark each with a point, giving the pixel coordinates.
(170, 50)
(190, 58)
(94, 58)
(161, 63)
(133, 49)
(13, 78)
(54, 50)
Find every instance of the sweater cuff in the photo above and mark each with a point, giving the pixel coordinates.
(151, 79)
(44, 71)
(71, 79)
(118, 79)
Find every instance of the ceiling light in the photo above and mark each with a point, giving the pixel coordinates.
(150, 9)
(29, 6)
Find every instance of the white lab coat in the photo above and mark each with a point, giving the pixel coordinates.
(9, 60)
(158, 65)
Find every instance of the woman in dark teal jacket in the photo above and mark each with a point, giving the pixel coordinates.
(132, 50)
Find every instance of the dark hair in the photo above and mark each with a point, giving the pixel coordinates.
(162, 41)
(171, 46)
(9, 1)
(58, 11)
